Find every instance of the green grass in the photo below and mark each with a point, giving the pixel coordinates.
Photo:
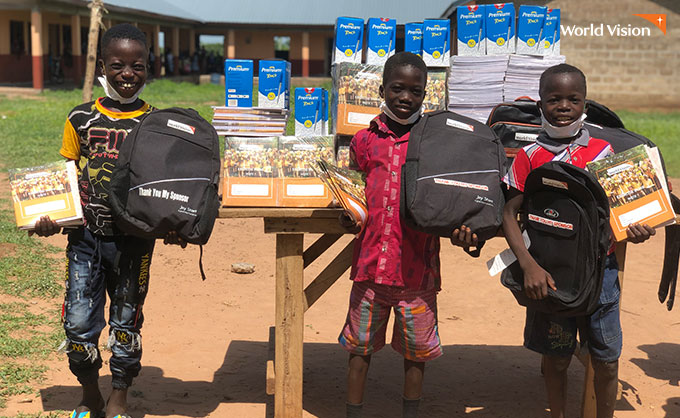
(663, 129)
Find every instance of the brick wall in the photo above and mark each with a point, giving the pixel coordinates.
(625, 72)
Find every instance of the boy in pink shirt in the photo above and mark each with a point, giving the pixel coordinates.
(394, 267)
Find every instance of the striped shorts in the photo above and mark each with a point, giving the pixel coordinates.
(415, 335)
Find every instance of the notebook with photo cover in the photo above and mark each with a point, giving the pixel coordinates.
(51, 190)
(347, 187)
(635, 184)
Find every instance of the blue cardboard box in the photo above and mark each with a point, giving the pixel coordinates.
(413, 38)
(274, 84)
(530, 29)
(500, 28)
(551, 32)
(238, 83)
(309, 111)
(382, 36)
(436, 42)
(470, 34)
(349, 35)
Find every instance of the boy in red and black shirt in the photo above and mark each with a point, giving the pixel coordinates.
(563, 91)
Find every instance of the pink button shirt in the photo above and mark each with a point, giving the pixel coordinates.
(388, 252)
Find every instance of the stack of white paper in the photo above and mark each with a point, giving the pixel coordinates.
(476, 84)
(523, 75)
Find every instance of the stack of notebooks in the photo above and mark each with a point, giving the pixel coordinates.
(476, 85)
(249, 121)
(524, 73)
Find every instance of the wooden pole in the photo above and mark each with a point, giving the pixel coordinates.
(96, 9)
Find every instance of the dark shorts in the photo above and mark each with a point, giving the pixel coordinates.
(556, 336)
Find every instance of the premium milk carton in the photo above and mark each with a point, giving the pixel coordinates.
(238, 83)
(274, 84)
(349, 34)
(530, 29)
(551, 33)
(381, 39)
(413, 38)
(470, 35)
(500, 28)
(308, 111)
(436, 42)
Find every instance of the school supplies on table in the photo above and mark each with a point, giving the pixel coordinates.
(636, 188)
(349, 35)
(275, 171)
(274, 84)
(347, 187)
(249, 121)
(238, 83)
(48, 190)
(382, 36)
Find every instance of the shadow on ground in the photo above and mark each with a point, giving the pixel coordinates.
(469, 380)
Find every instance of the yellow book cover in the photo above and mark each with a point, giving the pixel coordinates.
(635, 184)
(51, 190)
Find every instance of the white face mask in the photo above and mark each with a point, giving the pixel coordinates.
(568, 131)
(112, 94)
(411, 119)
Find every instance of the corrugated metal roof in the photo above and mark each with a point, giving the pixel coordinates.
(290, 12)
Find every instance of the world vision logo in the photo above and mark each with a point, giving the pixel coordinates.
(659, 20)
(618, 30)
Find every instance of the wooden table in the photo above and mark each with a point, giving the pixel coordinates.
(284, 373)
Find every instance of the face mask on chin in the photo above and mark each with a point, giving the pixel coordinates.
(561, 132)
(112, 94)
(411, 119)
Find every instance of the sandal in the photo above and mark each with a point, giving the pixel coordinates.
(87, 414)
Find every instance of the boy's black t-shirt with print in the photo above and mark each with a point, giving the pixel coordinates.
(93, 135)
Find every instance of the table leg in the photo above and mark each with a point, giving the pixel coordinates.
(289, 326)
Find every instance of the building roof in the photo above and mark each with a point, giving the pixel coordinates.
(289, 12)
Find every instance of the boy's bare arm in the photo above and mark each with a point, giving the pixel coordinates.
(536, 279)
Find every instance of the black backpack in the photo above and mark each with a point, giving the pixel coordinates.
(518, 124)
(566, 216)
(166, 177)
(452, 176)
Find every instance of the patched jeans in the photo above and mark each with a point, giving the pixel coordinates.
(96, 266)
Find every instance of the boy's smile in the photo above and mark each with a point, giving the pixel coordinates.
(404, 92)
(563, 99)
(125, 67)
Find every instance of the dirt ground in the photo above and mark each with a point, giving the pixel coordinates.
(205, 343)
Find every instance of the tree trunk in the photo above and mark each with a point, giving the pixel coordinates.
(96, 7)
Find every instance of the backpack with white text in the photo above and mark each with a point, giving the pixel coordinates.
(566, 217)
(166, 177)
(452, 176)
